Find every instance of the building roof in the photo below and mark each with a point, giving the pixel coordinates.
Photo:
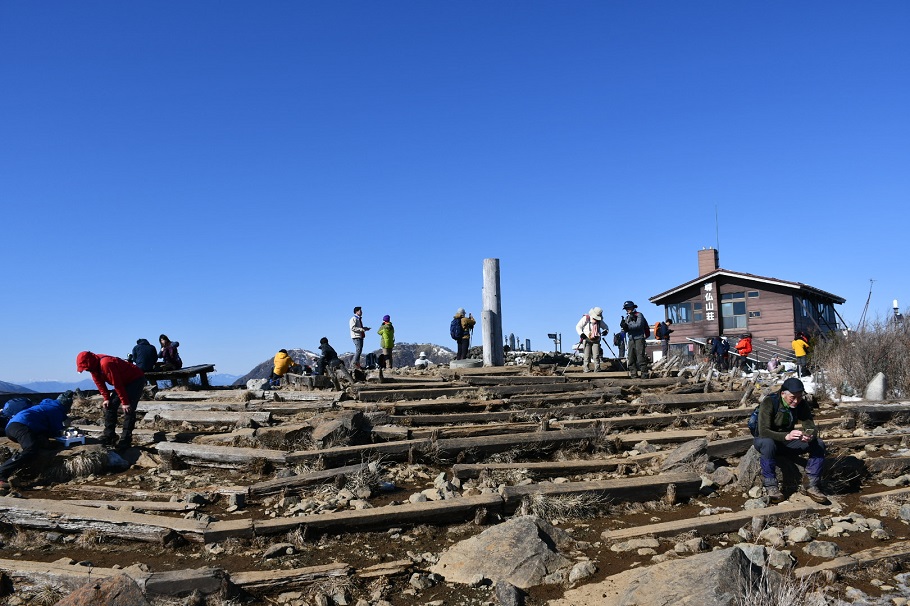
(709, 277)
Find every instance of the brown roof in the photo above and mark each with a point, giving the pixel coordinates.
(656, 299)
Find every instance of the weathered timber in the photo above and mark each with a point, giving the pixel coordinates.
(454, 373)
(58, 515)
(897, 552)
(454, 418)
(869, 414)
(862, 441)
(638, 489)
(899, 494)
(661, 401)
(114, 492)
(392, 395)
(26, 575)
(642, 383)
(282, 580)
(218, 456)
(207, 417)
(315, 477)
(182, 582)
(660, 419)
(426, 405)
(713, 524)
(202, 394)
(524, 380)
(729, 447)
(385, 569)
(549, 469)
(596, 395)
(393, 432)
(292, 408)
(154, 406)
(137, 506)
(183, 374)
(216, 532)
(888, 465)
(392, 450)
(450, 447)
(430, 512)
(504, 391)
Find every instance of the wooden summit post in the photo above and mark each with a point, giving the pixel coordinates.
(491, 316)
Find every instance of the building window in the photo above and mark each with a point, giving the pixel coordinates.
(733, 310)
(697, 313)
(771, 342)
(755, 314)
(752, 294)
(681, 313)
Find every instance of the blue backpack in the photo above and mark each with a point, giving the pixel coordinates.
(753, 418)
(455, 329)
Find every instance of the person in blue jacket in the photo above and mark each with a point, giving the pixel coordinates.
(30, 427)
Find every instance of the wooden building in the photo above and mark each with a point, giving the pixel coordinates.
(720, 302)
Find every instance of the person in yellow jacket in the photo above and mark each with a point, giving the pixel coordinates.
(283, 364)
(800, 347)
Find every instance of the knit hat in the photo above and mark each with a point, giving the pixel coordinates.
(596, 313)
(386, 318)
(793, 386)
(66, 399)
(460, 311)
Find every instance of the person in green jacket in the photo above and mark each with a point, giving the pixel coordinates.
(386, 334)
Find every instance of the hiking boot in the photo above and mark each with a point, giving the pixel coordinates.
(773, 493)
(108, 439)
(5, 487)
(815, 493)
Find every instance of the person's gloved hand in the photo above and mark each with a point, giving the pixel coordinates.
(106, 404)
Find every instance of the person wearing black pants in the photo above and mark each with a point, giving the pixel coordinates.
(128, 381)
(30, 428)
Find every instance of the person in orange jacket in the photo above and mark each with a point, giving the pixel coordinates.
(744, 348)
(128, 381)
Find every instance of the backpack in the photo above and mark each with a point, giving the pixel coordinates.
(657, 331)
(647, 331)
(753, 418)
(617, 339)
(455, 330)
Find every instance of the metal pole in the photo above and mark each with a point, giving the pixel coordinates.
(493, 354)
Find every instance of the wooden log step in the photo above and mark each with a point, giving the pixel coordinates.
(153, 406)
(394, 395)
(519, 414)
(504, 391)
(416, 420)
(693, 400)
(729, 447)
(659, 419)
(523, 380)
(594, 395)
(397, 432)
(713, 524)
(342, 454)
(218, 456)
(899, 494)
(899, 551)
(49, 514)
(450, 447)
(292, 408)
(424, 406)
(640, 383)
(888, 465)
(288, 578)
(203, 394)
(385, 569)
(289, 484)
(116, 493)
(137, 506)
(551, 469)
(207, 417)
(27, 576)
(431, 512)
(637, 489)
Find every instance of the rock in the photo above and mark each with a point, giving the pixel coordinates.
(877, 388)
(800, 534)
(822, 549)
(256, 384)
(279, 549)
(773, 536)
(582, 570)
(709, 579)
(420, 581)
(781, 559)
(520, 551)
(756, 553)
(635, 544)
(692, 454)
(120, 590)
(508, 594)
(723, 476)
(418, 497)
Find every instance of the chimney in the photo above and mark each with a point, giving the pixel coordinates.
(707, 261)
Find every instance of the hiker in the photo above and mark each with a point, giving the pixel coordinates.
(29, 428)
(663, 335)
(776, 436)
(744, 348)
(128, 381)
(800, 347)
(619, 340)
(421, 362)
(358, 331)
(144, 355)
(329, 358)
(636, 327)
(591, 328)
(12, 407)
(170, 359)
(386, 334)
(282, 364)
(720, 351)
(774, 364)
(460, 329)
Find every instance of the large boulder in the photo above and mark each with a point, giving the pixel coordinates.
(687, 457)
(522, 551)
(120, 590)
(717, 578)
(877, 388)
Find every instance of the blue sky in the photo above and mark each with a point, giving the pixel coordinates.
(239, 175)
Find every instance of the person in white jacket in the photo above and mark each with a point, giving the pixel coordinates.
(591, 329)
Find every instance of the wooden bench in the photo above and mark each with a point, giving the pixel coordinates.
(183, 374)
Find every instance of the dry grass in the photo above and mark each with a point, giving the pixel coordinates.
(82, 465)
(47, 595)
(562, 507)
(369, 476)
(89, 539)
(775, 590)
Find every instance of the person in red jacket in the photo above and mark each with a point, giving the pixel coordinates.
(128, 381)
(744, 348)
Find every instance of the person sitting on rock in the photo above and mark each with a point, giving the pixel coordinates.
(776, 436)
(30, 428)
(421, 362)
(282, 365)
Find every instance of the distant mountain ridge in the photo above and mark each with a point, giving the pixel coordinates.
(403, 354)
(13, 388)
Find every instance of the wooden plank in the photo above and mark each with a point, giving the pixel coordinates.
(207, 417)
(385, 569)
(891, 465)
(424, 405)
(504, 391)
(899, 494)
(137, 506)
(551, 468)
(392, 450)
(688, 400)
(154, 406)
(500, 443)
(637, 489)
(218, 456)
(899, 551)
(430, 512)
(289, 578)
(713, 524)
(202, 394)
(391, 395)
(729, 447)
(596, 394)
(288, 484)
(658, 419)
(27, 576)
(49, 514)
(393, 432)
(114, 492)
(508, 380)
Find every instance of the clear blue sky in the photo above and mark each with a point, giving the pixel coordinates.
(239, 175)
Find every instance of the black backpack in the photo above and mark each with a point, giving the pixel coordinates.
(753, 418)
(455, 329)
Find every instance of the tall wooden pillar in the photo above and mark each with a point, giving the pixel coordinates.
(491, 315)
